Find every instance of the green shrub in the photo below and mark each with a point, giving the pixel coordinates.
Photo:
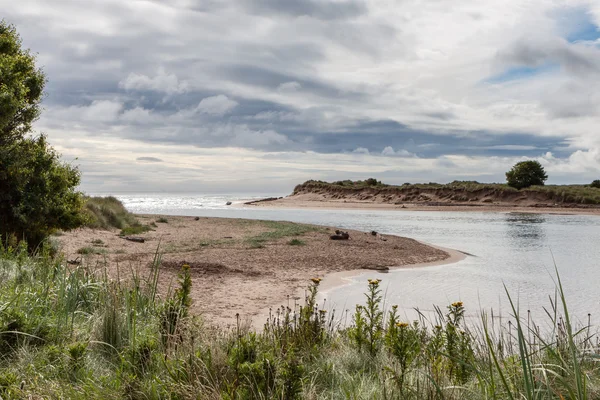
(162, 220)
(38, 193)
(296, 242)
(595, 184)
(525, 174)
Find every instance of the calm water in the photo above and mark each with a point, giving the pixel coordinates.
(517, 250)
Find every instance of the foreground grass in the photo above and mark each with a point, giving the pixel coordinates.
(575, 194)
(72, 333)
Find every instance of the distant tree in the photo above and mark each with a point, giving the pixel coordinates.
(37, 191)
(526, 173)
(372, 182)
(595, 183)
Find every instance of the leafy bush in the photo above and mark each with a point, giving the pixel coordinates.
(526, 173)
(37, 191)
(595, 184)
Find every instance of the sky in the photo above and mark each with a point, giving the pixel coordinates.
(259, 95)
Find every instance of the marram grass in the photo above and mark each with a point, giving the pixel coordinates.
(73, 333)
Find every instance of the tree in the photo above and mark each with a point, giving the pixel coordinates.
(526, 173)
(37, 191)
(595, 183)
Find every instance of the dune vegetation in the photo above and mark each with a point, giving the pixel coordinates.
(458, 191)
(69, 332)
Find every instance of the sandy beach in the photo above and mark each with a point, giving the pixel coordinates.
(244, 266)
(318, 201)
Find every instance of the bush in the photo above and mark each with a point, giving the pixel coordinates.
(37, 190)
(595, 184)
(526, 173)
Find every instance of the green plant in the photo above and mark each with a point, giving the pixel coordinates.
(162, 220)
(98, 242)
(404, 343)
(296, 242)
(595, 184)
(135, 230)
(90, 250)
(526, 173)
(176, 308)
(107, 213)
(38, 193)
(368, 320)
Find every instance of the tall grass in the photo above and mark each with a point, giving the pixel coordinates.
(108, 212)
(73, 333)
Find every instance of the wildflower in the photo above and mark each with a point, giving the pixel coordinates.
(374, 281)
(316, 281)
(322, 312)
(395, 306)
(458, 304)
(185, 267)
(401, 324)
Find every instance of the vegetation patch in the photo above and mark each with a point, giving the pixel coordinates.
(91, 250)
(135, 230)
(296, 242)
(555, 194)
(162, 220)
(108, 213)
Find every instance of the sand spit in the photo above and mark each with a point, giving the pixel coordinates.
(243, 266)
(321, 201)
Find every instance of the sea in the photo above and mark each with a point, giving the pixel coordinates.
(526, 256)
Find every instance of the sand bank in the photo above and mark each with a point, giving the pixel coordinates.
(310, 201)
(244, 266)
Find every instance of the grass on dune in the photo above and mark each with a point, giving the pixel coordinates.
(577, 194)
(73, 333)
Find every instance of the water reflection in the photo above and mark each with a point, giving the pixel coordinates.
(526, 229)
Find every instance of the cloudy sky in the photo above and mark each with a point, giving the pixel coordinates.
(258, 95)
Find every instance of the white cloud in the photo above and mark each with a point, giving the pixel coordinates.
(361, 150)
(389, 151)
(162, 82)
(216, 105)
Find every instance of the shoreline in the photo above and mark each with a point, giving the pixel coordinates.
(338, 279)
(293, 203)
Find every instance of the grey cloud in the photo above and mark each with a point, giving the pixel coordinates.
(319, 9)
(577, 59)
(149, 159)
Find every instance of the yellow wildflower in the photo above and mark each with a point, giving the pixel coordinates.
(316, 281)
(457, 304)
(401, 324)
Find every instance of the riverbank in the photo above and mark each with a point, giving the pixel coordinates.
(242, 266)
(321, 201)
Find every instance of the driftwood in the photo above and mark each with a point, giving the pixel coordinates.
(339, 235)
(379, 268)
(134, 239)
